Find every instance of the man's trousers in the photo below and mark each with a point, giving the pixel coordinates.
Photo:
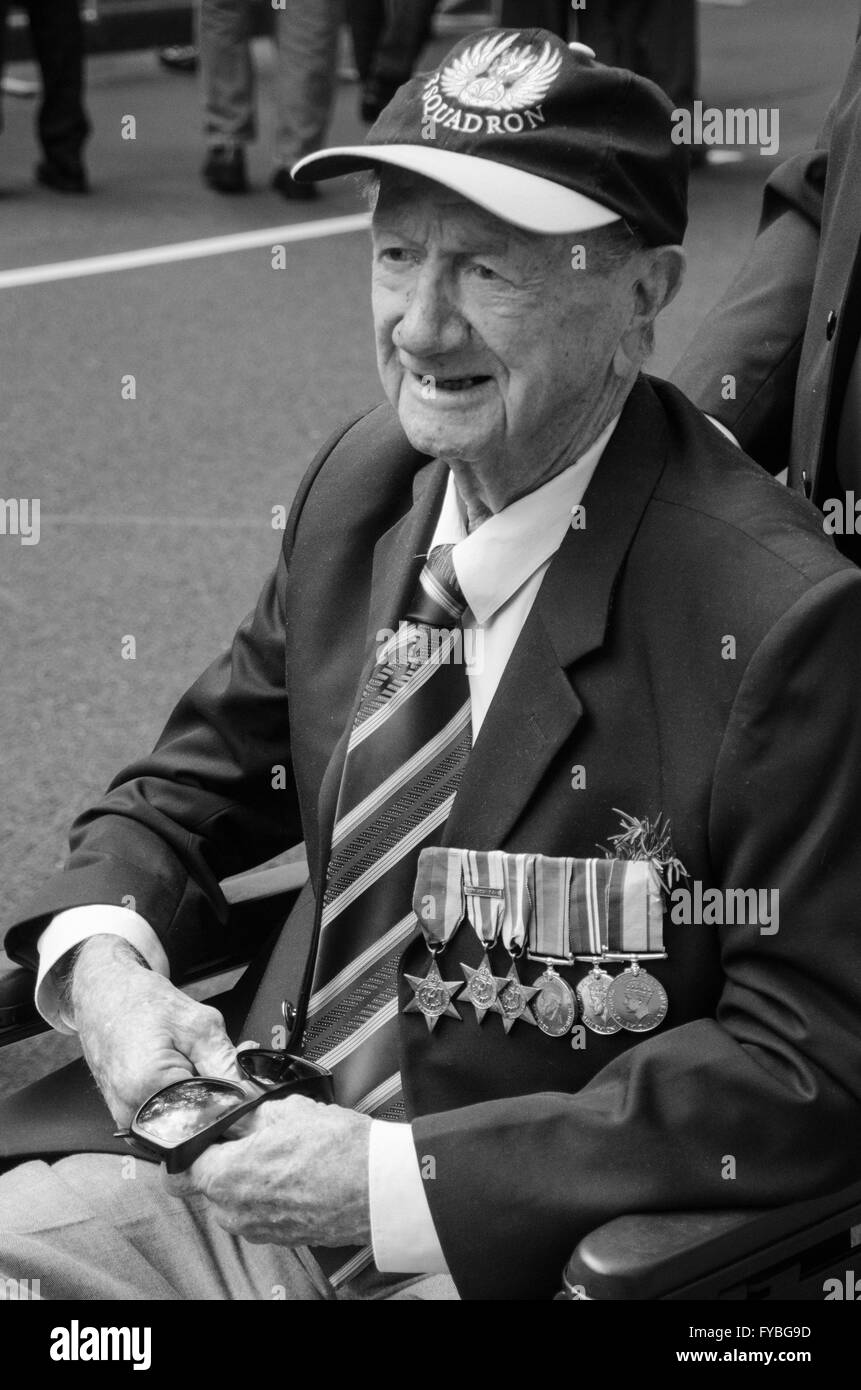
(99, 1226)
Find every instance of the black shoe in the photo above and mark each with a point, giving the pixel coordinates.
(284, 183)
(179, 58)
(224, 169)
(63, 178)
(376, 95)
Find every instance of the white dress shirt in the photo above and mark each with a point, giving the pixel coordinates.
(500, 566)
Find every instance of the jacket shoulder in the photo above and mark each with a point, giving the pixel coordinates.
(749, 527)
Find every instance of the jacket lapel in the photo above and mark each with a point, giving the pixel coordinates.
(536, 707)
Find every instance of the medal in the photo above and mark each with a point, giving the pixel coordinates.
(482, 988)
(585, 909)
(484, 895)
(636, 1000)
(433, 996)
(438, 906)
(514, 998)
(592, 995)
(555, 1005)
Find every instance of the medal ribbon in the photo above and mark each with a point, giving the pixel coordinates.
(550, 923)
(438, 894)
(634, 919)
(588, 907)
(519, 872)
(484, 890)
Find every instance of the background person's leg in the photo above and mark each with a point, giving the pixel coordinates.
(366, 19)
(227, 75)
(57, 34)
(307, 38)
(4, 7)
(537, 14)
(98, 1226)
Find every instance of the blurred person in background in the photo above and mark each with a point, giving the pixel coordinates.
(655, 38)
(57, 37)
(307, 44)
(388, 37)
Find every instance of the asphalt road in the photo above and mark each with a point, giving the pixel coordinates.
(156, 512)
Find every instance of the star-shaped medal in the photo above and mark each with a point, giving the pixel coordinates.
(433, 996)
(482, 988)
(514, 1000)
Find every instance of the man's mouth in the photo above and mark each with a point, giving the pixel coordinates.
(451, 383)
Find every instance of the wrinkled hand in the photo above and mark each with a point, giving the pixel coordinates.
(301, 1178)
(138, 1031)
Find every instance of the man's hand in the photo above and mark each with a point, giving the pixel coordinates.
(137, 1030)
(301, 1178)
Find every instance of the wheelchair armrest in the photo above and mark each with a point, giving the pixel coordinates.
(244, 892)
(783, 1252)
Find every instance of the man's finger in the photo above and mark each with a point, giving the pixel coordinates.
(200, 1176)
(213, 1054)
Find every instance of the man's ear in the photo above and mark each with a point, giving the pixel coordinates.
(662, 276)
(660, 272)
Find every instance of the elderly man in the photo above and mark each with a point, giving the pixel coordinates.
(523, 1043)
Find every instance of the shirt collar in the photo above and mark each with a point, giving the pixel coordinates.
(496, 559)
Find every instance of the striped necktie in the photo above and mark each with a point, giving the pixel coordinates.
(407, 748)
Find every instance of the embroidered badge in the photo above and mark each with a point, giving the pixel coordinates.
(495, 74)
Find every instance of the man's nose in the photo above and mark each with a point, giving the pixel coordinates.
(432, 322)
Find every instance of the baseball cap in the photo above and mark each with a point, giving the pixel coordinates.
(536, 132)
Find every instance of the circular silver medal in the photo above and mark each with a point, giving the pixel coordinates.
(592, 993)
(555, 1005)
(637, 1001)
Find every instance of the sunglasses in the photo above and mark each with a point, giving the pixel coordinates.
(181, 1120)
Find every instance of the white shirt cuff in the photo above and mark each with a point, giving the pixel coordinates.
(75, 925)
(723, 429)
(402, 1231)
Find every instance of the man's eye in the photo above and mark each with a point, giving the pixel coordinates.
(484, 272)
(394, 255)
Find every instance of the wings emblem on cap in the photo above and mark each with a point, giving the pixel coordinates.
(496, 74)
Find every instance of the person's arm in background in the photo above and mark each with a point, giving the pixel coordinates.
(755, 333)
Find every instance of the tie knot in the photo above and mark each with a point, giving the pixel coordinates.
(438, 600)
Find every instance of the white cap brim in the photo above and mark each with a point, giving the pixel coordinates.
(515, 196)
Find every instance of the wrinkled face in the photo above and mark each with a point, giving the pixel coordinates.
(491, 346)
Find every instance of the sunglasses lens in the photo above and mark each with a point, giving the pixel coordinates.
(275, 1068)
(181, 1111)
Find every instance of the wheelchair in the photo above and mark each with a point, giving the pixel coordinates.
(784, 1253)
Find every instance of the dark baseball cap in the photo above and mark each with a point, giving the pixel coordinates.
(535, 131)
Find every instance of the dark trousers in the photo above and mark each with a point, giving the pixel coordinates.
(537, 14)
(655, 38)
(389, 37)
(57, 36)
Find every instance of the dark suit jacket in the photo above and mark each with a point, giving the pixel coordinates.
(788, 326)
(756, 760)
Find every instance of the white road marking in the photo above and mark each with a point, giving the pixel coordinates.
(183, 251)
(221, 523)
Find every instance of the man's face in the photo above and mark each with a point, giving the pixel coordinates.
(493, 349)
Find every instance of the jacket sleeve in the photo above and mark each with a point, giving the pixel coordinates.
(215, 796)
(775, 1077)
(755, 332)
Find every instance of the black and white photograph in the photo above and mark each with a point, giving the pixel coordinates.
(430, 672)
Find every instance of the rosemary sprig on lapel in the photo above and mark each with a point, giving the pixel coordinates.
(641, 838)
